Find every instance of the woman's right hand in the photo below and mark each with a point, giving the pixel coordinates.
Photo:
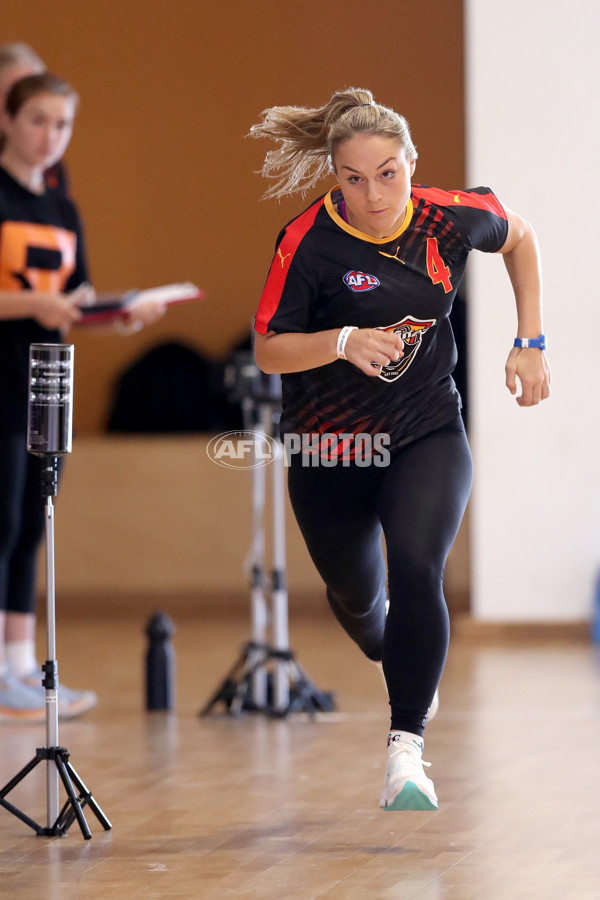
(56, 311)
(371, 348)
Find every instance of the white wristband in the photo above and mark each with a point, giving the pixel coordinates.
(342, 339)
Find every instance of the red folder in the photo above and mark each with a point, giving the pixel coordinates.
(119, 305)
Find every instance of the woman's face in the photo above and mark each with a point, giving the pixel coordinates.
(374, 176)
(40, 132)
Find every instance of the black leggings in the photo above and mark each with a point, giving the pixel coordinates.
(21, 524)
(418, 501)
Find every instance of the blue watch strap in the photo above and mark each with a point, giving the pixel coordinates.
(539, 342)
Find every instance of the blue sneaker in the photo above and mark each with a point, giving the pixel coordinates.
(74, 703)
(19, 702)
(70, 703)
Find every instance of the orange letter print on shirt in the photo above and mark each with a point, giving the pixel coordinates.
(35, 257)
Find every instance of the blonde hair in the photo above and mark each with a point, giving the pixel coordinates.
(17, 54)
(308, 138)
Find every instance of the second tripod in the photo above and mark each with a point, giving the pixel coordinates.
(266, 678)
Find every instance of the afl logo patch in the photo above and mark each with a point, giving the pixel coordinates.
(360, 281)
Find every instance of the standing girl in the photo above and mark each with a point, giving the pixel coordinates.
(355, 316)
(43, 277)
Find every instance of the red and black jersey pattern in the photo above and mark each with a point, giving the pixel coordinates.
(326, 274)
(287, 245)
(41, 248)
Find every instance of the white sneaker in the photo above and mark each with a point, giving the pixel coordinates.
(406, 785)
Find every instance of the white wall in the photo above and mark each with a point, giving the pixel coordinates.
(533, 135)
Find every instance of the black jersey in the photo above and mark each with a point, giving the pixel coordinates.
(41, 248)
(325, 274)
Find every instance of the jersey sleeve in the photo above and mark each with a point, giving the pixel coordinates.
(291, 287)
(487, 222)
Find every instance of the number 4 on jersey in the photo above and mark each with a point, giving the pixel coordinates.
(436, 268)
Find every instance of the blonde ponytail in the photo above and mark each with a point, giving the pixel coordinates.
(308, 138)
(18, 54)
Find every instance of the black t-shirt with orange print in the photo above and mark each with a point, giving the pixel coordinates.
(41, 248)
(325, 274)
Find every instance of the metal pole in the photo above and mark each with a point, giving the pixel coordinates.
(259, 604)
(279, 593)
(52, 691)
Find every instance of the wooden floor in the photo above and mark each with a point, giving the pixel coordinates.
(253, 808)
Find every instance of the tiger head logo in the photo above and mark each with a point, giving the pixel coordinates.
(411, 331)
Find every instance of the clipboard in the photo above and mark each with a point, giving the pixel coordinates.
(118, 305)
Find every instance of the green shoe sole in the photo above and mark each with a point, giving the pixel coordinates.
(410, 797)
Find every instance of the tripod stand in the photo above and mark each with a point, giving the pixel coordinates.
(53, 424)
(267, 678)
(56, 757)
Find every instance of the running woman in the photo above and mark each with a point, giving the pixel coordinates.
(355, 316)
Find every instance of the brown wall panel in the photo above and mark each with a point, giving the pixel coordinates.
(159, 162)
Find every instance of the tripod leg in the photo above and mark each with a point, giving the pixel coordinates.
(228, 687)
(60, 826)
(244, 695)
(86, 797)
(19, 776)
(39, 829)
(310, 697)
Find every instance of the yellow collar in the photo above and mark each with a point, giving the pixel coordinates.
(329, 206)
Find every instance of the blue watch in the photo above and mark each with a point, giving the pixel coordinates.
(539, 342)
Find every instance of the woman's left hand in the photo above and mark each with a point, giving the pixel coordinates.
(140, 316)
(530, 366)
(146, 313)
